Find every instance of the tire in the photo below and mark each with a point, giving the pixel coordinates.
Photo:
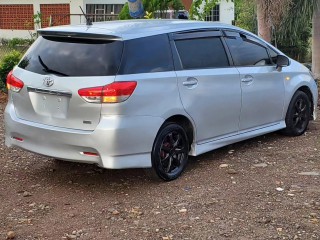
(170, 152)
(298, 115)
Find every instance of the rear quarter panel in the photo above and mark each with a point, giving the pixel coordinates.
(156, 95)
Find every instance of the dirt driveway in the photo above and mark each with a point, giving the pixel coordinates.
(250, 190)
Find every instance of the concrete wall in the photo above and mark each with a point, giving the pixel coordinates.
(74, 9)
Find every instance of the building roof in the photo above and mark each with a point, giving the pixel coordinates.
(130, 29)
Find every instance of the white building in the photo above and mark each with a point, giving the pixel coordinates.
(222, 12)
(16, 17)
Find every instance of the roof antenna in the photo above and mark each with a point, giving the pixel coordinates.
(88, 21)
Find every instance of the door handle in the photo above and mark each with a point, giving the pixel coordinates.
(190, 82)
(247, 79)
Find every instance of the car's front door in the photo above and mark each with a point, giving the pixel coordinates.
(261, 84)
(209, 88)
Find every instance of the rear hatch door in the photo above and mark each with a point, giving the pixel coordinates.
(54, 69)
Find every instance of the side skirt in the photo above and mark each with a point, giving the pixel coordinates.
(221, 141)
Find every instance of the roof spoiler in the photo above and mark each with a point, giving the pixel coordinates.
(78, 35)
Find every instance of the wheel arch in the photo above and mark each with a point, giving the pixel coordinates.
(184, 122)
(308, 92)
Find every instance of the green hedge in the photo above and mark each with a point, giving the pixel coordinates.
(6, 65)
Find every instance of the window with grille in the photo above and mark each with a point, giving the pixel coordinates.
(214, 15)
(100, 12)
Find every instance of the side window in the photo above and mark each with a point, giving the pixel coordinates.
(273, 55)
(147, 55)
(246, 52)
(200, 53)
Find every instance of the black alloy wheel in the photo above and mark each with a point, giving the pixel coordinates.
(170, 152)
(298, 115)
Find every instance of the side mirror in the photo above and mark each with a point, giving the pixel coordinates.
(282, 61)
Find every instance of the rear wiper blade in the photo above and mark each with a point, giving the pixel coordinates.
(48, 70)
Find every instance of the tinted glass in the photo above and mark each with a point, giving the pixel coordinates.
(202, 53)
(247, 53)
(147, 55)
(73, 57)
(273, 55)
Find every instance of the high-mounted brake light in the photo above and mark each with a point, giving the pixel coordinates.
(14, 84)
(112, 93)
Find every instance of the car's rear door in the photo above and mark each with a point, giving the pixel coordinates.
(53, 71)
(209, 86)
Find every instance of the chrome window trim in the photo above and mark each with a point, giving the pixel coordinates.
(49, 92)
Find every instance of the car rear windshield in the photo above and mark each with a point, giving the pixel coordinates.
(73, 57)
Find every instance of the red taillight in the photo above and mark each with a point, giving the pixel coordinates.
(92, 95)
(90, 154)
(112, 93)
(18, 139)
(14, 84)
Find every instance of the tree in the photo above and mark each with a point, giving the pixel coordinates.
(290, 20)
(294, 33)
(296, 28)
(124, 14)
(246, 15)
(316, 42)
(162, 5)
(269, 16)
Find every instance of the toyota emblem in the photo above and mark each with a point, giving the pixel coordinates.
(48, 81)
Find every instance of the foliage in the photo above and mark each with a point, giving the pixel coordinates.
(288, 20)
(161, 5)
(6, 65)
(274, 11)
(201, 8)
(245, 15)
(294, 32)
(18, 42)
(149, 15)
(299, 18)
(15, 43)
(37, 19)
(299, 48)
(152, 6)
(124, 14)
(35, 24)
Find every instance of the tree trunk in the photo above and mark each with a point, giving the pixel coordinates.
(264, 28)
(316, 43)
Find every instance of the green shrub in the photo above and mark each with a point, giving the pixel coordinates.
(124, 14)
(2, 87)
(6, 65)
(14, 42)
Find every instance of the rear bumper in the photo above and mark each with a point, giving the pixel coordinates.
(120, 141)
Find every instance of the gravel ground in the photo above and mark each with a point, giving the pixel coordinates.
(249, 190)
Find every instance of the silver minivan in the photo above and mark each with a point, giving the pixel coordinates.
(148, 93)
